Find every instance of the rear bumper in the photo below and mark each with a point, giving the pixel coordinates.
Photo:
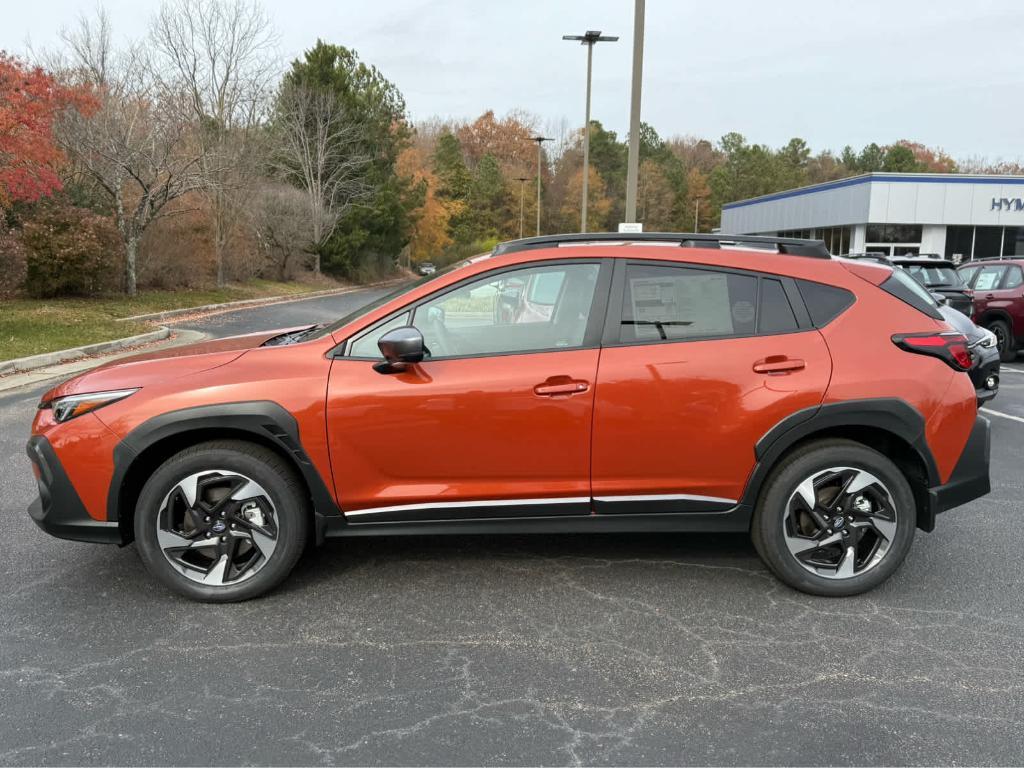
(58, 510)
(970, 479)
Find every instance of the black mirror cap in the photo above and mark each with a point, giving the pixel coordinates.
(400, 347)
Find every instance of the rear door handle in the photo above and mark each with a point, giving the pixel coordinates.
(990, 295)
(561, 386)
(778, 364)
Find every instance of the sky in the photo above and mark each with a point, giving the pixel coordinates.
(943, 72)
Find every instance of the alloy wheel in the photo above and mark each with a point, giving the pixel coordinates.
(217, 527)
(840, 522)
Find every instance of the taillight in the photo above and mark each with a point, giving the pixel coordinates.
(949, 346)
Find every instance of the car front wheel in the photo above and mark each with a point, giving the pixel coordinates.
(836, 518)
(1004, 341)
(222, 521)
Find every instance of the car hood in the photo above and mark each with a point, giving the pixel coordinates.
(961, 323)
(164, 364)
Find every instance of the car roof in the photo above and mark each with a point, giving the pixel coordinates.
(988, 260)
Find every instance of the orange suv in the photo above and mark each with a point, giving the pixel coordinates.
(577, 383)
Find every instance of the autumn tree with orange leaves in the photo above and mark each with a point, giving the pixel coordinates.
(30, 103)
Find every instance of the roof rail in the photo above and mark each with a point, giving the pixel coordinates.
(787, 245)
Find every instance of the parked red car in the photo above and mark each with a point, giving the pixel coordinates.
(998, 286)
(564, 384)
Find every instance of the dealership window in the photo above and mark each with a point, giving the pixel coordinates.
(894, 233)
(959, 243)
(988, 242)
(1013, 241)
(893, 239)
(836, 239)
(966, 243)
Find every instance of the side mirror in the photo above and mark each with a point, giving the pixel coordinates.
(400, 347)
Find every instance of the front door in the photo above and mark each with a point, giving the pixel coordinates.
(496, 422)
(699, 363)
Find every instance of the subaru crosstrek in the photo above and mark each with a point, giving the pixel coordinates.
(570, 384)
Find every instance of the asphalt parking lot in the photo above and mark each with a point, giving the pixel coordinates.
(640, 649)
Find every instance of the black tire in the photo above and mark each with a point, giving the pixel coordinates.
(768, 529)
(287, 518)
(1004, 337)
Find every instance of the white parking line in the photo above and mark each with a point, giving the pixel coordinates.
(1011, 370)
(1004, 415)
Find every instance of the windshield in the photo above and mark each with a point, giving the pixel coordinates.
(936, 277)
(369, 307)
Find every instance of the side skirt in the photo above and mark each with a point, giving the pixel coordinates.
(736, 519)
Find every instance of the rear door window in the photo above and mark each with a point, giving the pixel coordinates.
(1014, 278)
(776, 315)
(670, 303)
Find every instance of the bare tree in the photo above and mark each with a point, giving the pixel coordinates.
(133, 146)
(280, 218)
(319, 149)
(220, 53)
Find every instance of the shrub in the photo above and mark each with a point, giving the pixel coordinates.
(71, 251)
(12, 261)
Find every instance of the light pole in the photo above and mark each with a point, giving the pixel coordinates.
(522, 200)
(633, 162)
(540, 141)
(696, 214)
(588, 39)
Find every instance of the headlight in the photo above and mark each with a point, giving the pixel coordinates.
(989, 339)
(70, 406)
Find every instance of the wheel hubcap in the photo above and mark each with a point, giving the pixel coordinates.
(217, 527)
(839, 522)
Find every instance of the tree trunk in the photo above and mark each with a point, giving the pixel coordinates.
(131, 249)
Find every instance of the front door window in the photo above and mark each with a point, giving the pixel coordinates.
(526, 310)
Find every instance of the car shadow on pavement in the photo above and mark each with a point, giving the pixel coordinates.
(330, 562)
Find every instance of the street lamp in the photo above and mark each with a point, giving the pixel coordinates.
(588, 39)
(696, 213)
(540, 141)
(633, 161)
(522, 198)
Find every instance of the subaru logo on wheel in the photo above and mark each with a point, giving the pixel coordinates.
(838, 522)
(219, 527)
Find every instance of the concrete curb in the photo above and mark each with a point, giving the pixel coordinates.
(47, 359)
(245, 303)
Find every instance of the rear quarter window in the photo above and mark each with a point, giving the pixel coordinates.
(824, 302)
(909, 291)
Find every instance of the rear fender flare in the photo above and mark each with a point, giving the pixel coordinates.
(892, 415)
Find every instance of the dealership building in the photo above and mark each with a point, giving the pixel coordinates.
(958, 216)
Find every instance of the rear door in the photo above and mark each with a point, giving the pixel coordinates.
(698, 364)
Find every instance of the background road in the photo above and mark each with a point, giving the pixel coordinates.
(645, 649)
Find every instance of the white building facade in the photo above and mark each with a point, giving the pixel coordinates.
(955, 215)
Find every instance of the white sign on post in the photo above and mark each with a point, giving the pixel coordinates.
(632, 227)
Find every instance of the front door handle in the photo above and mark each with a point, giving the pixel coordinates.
(778, 364)
(561, 386)
(990, 295)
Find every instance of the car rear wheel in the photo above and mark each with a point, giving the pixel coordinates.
(836, 518)
(1004, 340)
(222, 521)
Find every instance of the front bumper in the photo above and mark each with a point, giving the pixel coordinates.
(58, 510)
(985, 373)
(970, 479)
